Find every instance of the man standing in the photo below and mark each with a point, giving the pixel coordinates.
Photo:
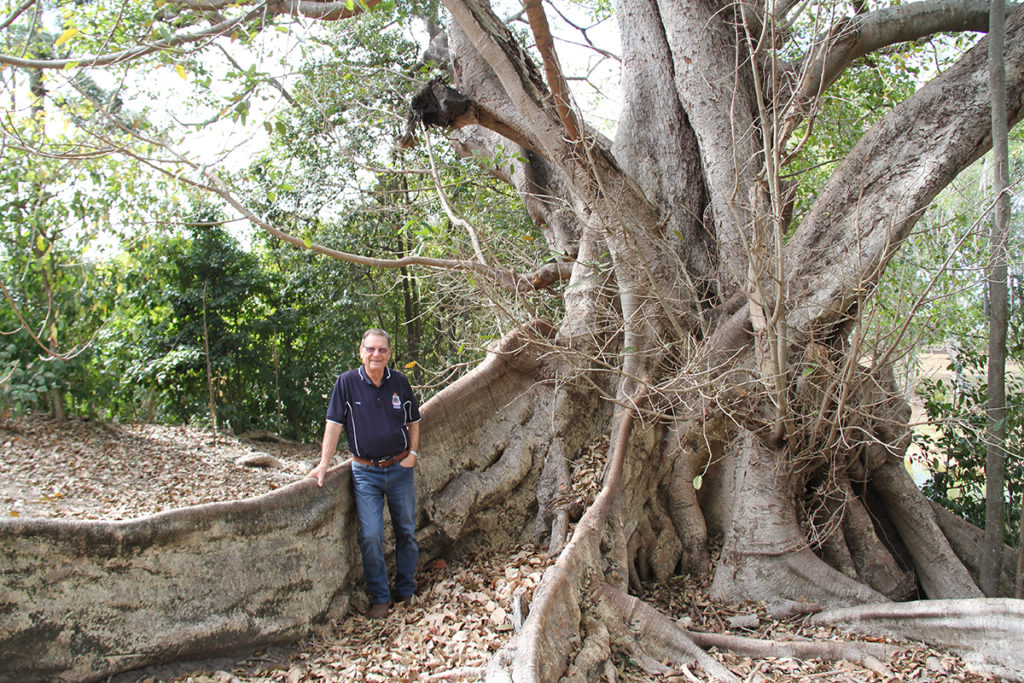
(380, 414)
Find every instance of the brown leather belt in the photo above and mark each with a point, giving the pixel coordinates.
(387, 462)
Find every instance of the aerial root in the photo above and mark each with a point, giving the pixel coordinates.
(552, 495)
(940, 571)
(683, 508)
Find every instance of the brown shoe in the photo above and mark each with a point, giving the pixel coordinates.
(378, 611)
(407, 600)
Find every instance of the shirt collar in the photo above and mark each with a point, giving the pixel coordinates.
(366, 378)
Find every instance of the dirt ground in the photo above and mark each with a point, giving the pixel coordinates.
(89, 470)
(467, 607)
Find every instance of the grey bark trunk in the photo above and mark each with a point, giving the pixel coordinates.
(995, 443)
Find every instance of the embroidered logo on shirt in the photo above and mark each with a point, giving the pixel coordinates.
(396, 402)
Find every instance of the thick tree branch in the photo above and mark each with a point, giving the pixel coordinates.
(324, 11)
(719, 104)
(878, 193)
(16, 13)
(863, 34)
(556, 78)
(506, 279)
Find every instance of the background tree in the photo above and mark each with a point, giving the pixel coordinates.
(995, 460)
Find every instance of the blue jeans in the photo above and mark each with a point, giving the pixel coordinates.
(372, 486)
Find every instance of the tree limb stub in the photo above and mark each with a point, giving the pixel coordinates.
(439, 105)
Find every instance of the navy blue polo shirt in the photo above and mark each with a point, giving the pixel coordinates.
(374, 417)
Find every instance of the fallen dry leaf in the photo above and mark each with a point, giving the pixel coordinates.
(453, 628)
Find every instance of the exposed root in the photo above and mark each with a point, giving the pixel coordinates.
(661, 547)
(966, 541)
(451, 508)
(553, 497)
(771, 559)
(595, 555)
(874, 562)
(835, 549)
(989, 633)
(651, 637)
(796, 575)
(940, 571)
(594, 657)
(463, 673)
(828, 650)
(488, 425)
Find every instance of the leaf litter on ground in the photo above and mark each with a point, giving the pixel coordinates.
(466, 609)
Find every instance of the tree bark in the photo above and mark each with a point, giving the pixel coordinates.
(995, 433)
(987, 632)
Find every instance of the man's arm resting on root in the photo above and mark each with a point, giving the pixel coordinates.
(332, 432)
(414, 444)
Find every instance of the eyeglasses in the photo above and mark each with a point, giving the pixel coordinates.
(379, 349)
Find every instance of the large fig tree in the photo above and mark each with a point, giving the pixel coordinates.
(712, 336)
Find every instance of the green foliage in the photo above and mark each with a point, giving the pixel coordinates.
(25, 384)
(953, 442)
(191, 292)
(847, 110)
(940, 270)
(124, 265)
(55, 220)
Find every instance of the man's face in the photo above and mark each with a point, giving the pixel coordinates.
(375, 353)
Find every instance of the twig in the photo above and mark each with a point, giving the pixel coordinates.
(463, 672)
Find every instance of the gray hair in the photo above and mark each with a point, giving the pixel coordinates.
(375, 332)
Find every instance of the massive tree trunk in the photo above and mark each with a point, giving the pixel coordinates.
(709, 337)
(728, 331)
